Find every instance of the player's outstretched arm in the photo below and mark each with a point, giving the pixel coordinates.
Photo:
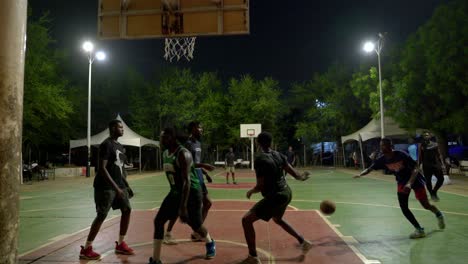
(298, 176)
(363, 173)
(205, 166)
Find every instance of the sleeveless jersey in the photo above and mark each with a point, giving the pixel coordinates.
(173, 172)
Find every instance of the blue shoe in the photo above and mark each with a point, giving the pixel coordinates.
(210, 249)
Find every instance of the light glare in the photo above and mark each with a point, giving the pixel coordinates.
(100, 55)
(88, 46)
(369, 46)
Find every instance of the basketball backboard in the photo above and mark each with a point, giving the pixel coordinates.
(136, 19)
(250, 130)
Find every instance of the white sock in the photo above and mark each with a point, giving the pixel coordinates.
(88, 244)
(121, 239)
(208, 238)
(157, 249)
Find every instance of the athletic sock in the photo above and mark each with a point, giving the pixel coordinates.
(438, 213)
(121, 239)
(208, 238)
(88, 244)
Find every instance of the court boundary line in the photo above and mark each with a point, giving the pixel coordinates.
(347, 239)
(62, 237)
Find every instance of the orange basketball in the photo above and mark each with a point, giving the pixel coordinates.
(327, 207)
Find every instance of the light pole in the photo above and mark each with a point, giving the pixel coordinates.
(88, 47)
(377, 47)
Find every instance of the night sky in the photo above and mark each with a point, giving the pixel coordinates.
(289, 40)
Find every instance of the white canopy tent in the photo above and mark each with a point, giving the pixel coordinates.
(129, 138)
(372, 130)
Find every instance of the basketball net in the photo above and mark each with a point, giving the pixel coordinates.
(176, 48)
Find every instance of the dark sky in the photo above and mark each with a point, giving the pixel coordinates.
(289, 40)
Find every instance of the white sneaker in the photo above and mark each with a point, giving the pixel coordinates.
(418, 233)
(251, 260)
(306, 246)
(441, 221)
(169, 240)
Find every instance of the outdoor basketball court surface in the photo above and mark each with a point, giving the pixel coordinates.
(274, 245)
(366, 228)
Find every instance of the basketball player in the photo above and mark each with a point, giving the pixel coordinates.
(271, 182)
(408, 177)
(184, 199)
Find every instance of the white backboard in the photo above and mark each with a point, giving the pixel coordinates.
(250, 130)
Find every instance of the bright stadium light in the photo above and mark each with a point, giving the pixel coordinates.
(369, 46)
(100, 55)
(88, 47)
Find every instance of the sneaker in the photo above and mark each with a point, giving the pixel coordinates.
(123, 248)
(89, 254)
(235, 182)
(418, 233)
(441, 221)
(152, 261)
(169, 240)
(435, 198)
(210, 249)
(306, 246)
(195, 237)
(251, 260)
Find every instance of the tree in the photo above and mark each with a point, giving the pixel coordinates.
(45, 105)
(333, 110)
(431, 83)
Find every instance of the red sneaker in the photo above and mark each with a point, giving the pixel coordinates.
(88, 253)
(123, 248)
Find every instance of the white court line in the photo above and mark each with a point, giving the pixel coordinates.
(347, 240)
(379, 205)
(62, 236)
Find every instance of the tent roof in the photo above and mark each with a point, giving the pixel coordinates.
(372, 130)
(129, 138)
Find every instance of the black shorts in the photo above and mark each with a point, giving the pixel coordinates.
(273, 206)
(194, 206)
(105, 199)
(170, 208)
(201, 180)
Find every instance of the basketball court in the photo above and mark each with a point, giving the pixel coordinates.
(274, 245)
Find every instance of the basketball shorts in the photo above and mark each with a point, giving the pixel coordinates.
(107, 199)
(273, 206)
(419, 191)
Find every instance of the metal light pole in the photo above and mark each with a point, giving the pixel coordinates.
(377, 47)
(88, 47)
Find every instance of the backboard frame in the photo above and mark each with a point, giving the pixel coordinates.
(246, 128)
(141, 19)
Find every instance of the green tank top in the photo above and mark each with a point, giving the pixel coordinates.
(173, 172)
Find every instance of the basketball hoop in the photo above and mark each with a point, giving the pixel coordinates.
(179, 48)
(251, 132)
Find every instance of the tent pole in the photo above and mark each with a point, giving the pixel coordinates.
(140, 158)
(344, 158)
(362, 154)
(69, 156)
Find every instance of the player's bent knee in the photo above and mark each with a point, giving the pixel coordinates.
(101, 217)
(278, 220)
